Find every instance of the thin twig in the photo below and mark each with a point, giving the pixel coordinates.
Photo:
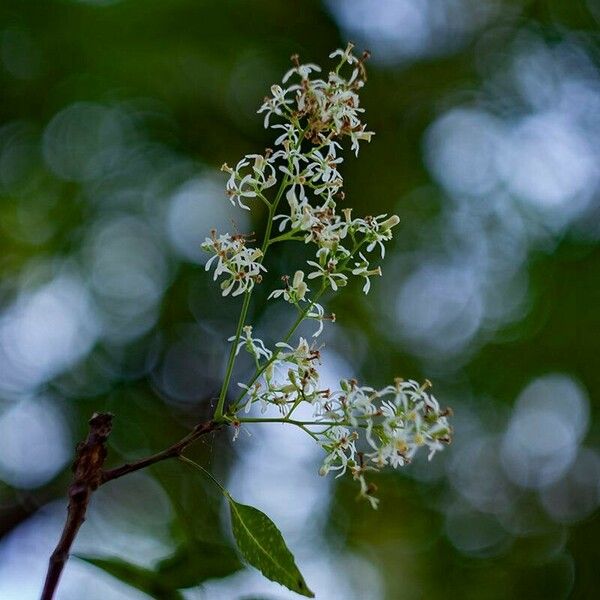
(171, 452)
(89, 475)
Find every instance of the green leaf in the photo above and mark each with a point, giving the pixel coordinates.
(194, 563)
(262, 545)
(142, 579)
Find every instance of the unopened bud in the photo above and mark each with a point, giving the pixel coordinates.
(298, 278)
(391, 222)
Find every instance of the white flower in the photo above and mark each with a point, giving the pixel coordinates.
(317, 312)
(252, 393)
(346, 55)
(304, 376)
(302, 70)
(376, 230)
(324, 168)
(251, 184)
(264, 172)
(239, 186)
(276, 105)
(292, 293)
(289, 139)
(339, 443)
(360, 135)
(328, 273)
(241, 265)
(362, 269)
(253, 345)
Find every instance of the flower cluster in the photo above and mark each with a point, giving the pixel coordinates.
(330, 107)
(324, 112)
(360, 428)
(291, 377)
(391, 423)
(240, 264)
(312, 118)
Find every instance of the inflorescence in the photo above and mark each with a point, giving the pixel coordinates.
(361, 429)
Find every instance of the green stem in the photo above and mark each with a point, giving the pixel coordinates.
(205, 472)
(246, 305)
(302, 424)
(285, 237)
(294, 406)
(232, 354)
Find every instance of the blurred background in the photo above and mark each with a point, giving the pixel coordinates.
(114, 119)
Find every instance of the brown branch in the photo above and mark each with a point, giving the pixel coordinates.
(170, 452)
(87, 470)
(89, 475)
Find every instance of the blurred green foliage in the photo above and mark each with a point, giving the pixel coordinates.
(186, 78)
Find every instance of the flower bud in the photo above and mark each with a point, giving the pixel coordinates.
(391, 222)
(298, 278)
